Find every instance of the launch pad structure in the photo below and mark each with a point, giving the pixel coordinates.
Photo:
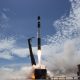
(39, 71)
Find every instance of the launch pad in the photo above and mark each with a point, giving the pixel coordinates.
(40, 73)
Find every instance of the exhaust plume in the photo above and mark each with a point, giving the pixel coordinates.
(39, 57)
(64, 46)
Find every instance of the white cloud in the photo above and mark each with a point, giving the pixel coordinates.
(6, 54)
(8, 48)
(9, 73)
(21, 52)
(7, 43)
(5, 48)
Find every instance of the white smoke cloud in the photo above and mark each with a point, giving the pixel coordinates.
(63, 47)
(11, 74)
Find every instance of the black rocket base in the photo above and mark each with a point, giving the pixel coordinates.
(40, 73)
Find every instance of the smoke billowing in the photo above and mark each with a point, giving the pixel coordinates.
(64, 46)
(12, 74)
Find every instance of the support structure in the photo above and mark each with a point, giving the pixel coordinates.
(31, 52)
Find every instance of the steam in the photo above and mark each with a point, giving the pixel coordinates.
(12, 74)
(64, 46)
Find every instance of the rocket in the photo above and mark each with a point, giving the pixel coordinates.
(39, 42)
(40, 71)
(39, 34)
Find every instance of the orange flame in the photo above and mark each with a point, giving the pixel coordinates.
(33, 76)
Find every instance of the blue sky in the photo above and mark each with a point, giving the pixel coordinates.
(23, 16)
(18, 21)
